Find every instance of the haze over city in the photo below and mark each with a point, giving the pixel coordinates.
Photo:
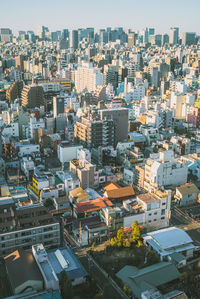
(27, 15)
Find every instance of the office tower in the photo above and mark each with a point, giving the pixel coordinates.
(88, 77)
(65, 34)
(174, 36)
(42, 31)
(131, 39)
(188, 38)
(165, 39)
(32, 96)
(103, 36)
(19, 62)
(5, 35)
(73, 39)
(151, 31)
(144, 36)
(158, 40)
(90, 34)
(120, 119)
(58, 105)
(111, 75)
(94, 133)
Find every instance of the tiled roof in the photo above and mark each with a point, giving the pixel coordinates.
(121, 192)
(93, 205)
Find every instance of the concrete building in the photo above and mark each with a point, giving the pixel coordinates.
(67, 152)
(186, 194)
(24, 225)
(73, 39)
(164, 170)
(174, 36)
(120, 118)
(32, 96)
(168, 241)
(29, 276)
(88, 77)
(94, 133)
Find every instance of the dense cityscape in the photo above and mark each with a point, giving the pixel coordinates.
(99, 164)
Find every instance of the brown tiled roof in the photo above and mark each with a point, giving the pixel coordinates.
(93, 205)
(121, 192)
(111, 186)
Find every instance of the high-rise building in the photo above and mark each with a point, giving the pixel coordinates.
(131, 39)
(19, 62)
(120, 119)
(5, 35)
(174, 36)
(58, 106)
(32, 96)
(188, 38)
(94, 133)
(73, 39)
(88, 77)
(14, 91)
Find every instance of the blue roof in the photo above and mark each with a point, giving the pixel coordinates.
(74, 270)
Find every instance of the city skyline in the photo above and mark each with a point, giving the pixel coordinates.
(130, 14)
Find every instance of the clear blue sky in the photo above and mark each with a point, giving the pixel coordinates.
(136, 14)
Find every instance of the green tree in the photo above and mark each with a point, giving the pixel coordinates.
(120, 234)
(126, 243)
(136, 233)
(65, 286)
(113, 241)
(127, 290)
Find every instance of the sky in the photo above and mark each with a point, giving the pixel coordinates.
(135, 14)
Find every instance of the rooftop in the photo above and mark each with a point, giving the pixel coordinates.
(93, 205)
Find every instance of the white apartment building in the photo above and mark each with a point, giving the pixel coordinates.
(164, 170)
(35, 124)
(28, 149)
(88, 77)
(70, 180)
(84, 154)
(151, 210)
(12, 129)
(67, 152)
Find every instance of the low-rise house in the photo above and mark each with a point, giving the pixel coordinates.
(91, 207)
(28, 278)
(88, 230)
(148, 279)
(186, 194)
(168, 241)
(53, 262)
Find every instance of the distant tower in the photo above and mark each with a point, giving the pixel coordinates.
(73, 39)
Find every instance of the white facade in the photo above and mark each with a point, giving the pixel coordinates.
(68, 153)
(28, 149)
(88, 77)
(70, 182)
(165, 171)
(84, 154)
(11, 129)
(35, 125)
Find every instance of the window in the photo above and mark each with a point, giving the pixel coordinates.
(155, 213)
(163, 212)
